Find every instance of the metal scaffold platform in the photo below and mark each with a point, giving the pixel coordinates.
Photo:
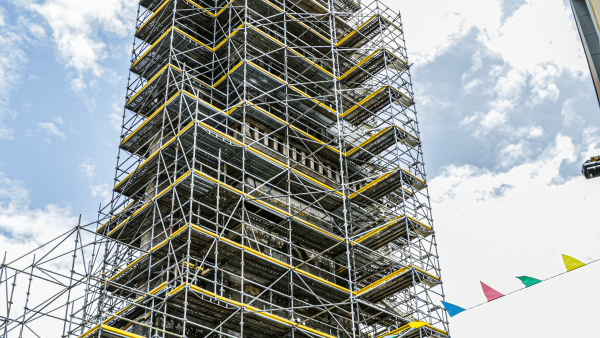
(269, 183)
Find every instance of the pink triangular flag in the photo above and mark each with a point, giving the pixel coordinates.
(490, 293)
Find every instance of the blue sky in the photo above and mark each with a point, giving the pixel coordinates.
(507, 112)
(64, 83)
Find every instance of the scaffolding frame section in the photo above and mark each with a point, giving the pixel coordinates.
(270, 182)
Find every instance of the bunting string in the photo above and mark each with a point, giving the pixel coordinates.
(491, 294)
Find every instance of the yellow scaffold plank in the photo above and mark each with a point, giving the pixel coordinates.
(154, 154)
(380, 228)
(151, 293)
(413, 325)
(358, 67)
(156, 247)
(251, 309)
(392, 275)
(270, 259)
(364, 105)
(156, 12)
(274, 208)
(110, 329)
(115, 216)
(359, 31)
(143, 207)
(382, 280)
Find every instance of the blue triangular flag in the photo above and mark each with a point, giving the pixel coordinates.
(452, 309)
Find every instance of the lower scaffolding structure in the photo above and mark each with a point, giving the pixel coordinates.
(68, 291)
(270, 183)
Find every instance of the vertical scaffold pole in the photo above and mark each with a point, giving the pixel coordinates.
(27, 298)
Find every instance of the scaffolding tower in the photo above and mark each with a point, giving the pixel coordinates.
(269, 183)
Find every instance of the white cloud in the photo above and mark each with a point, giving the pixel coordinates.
(510, 86)
(592, 139)
(497, 115)
(23, 228)
(538, 43)
(51, 130)
(492, 227)
(542, 86)
(508, 89)
(513, 152)
(78, 84)
(535, 132)
(11, 41)
(536, 85)
(531, 132)
(115, 121)
(2, 17)
(477, 64)
(506, 92)
(116, 118)
(35, 29)
(102, 190)
(469, 86)
(88, 166)
(538, 32)
(76, 27)
(6, 132)
(432, 27)
(568, 113)
(468, 82)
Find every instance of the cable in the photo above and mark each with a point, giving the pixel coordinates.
(543, 280)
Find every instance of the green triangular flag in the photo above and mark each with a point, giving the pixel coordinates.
(528, 281)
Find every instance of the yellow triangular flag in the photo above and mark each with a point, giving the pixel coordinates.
(571, 263)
